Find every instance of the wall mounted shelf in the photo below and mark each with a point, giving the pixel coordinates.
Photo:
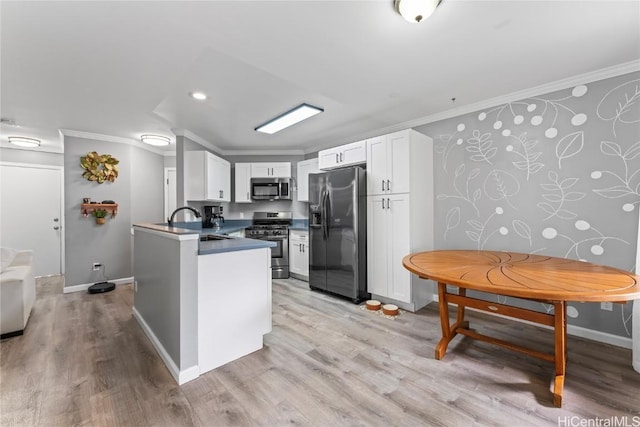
(88, 208)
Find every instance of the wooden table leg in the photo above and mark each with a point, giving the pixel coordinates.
(560, 330)
(448, 331)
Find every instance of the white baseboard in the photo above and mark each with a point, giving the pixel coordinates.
(85, 286)
(577, 331)
(181, 377)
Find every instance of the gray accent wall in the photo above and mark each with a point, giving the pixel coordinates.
(139, 193)
(557, 174)
(31, 157)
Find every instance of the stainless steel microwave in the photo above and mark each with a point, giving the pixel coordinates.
(271, 189)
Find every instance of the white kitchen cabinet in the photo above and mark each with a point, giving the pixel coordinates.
(399, 224)
(243, 183)
(207, 177)
(304, 169)
(392, 160)
(271, 170)
(299, 254)
(342, 156)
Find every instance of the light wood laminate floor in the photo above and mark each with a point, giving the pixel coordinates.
(85, 361)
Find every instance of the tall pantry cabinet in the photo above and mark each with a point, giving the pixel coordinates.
(399, 216)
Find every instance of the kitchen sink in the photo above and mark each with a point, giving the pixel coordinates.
(207, 237)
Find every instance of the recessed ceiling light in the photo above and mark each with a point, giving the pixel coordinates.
(24, 142)
(416, 10)
(198, 95)
(291, 117)
(156, 140)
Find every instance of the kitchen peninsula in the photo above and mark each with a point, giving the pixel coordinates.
(202, 303)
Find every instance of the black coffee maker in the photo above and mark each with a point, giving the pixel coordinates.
(212, 217)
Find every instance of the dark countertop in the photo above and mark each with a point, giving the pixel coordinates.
(211, 246)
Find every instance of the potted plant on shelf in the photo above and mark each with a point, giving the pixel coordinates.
(100, 215)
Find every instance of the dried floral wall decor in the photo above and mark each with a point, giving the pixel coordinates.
(99, 167)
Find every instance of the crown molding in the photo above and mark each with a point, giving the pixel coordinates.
(593, 76)
(111, 138)
(41, 149)
(292, 152)
(196, 138)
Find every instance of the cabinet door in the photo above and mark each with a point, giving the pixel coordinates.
(296, 261)
(260, 170)
(281, 170)
(218, 179)
(399, 153)
(304, 168)
(328, 159)
(377, 165)
(398, 232)
(304, 264)
(377, 237)
(354, 153)
(243, 183)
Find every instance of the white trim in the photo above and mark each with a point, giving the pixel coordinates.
(192, 136)
(180, 377)
(165, 185)
(42, 149)
(61, 213)
(85, 286)
(605, 73)
(117, 139)
(576, 331)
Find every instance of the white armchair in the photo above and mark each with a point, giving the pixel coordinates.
(17, 291)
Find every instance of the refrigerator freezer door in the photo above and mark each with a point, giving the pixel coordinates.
(342, 253)
(317, 230)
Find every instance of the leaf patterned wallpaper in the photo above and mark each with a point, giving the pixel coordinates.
(557, 174)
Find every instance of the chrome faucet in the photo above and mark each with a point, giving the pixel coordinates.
(195, 212)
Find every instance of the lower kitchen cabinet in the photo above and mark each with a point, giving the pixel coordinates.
(299, 254)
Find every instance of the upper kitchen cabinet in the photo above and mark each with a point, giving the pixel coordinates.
(243, 183)
(206, 177)
(395, 162)
(304, 169)
(271, 170)
(342, 156)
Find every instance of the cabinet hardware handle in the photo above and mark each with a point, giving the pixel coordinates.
(56, 228)
(388, 185)
(337, 161)
(383, 185)
(247, 195)
(55, 219)
(388, 204)
(341, 158)
(383, 203)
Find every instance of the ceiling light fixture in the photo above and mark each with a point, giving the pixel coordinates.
(290, 118)
(156, 140)
(21, 141)
(416, 10)
(198, 95)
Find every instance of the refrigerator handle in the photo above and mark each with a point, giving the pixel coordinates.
(323, 214)
(327, 200)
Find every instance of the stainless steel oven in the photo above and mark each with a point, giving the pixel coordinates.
(274, 227)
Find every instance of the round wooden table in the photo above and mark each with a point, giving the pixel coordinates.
(539, 278)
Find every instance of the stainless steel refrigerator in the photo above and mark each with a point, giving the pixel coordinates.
(338, 233)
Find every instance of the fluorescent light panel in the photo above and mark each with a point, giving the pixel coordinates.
(21, 141)
(298, 114)
(156, 140)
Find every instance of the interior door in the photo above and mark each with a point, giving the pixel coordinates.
(31, 213)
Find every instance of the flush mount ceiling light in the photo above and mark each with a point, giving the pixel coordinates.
(198, 95)
(24, 142)
(290, 118)
(156, 140)
(416, 10)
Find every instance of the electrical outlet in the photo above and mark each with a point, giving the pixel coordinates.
(606, 306)
(96, 266)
